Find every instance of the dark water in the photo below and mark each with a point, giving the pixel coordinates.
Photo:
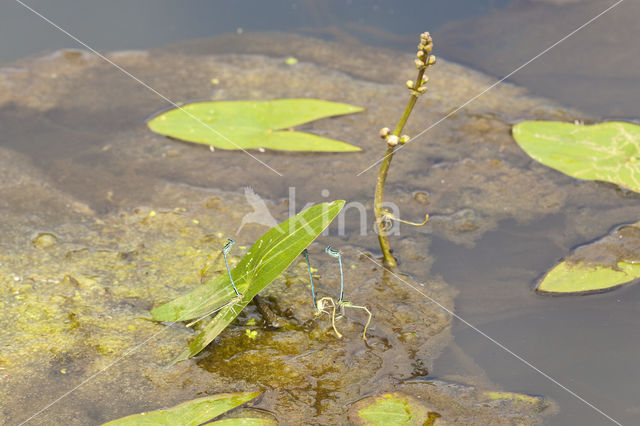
(594, 69)
(589, 344)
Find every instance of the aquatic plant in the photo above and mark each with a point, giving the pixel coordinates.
(602, 265)
(198, 411)
(253, 124)
(608, 152)
(393, 408)
(382, 217)
(228, 294)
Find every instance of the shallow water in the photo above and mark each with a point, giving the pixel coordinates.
(486, 240)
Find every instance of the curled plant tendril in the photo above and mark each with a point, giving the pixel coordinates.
(323, 305)
(388, 218)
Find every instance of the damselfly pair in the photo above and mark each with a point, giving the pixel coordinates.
(328, 302)
(320, 305)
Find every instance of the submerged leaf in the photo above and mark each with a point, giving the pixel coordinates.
(265, 260)
(608, 152)
(253, 124)
(516, 397)
(188, 413)
(391, 409)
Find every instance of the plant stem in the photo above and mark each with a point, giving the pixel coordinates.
(378, 211)
(389, 260)
(270, 318)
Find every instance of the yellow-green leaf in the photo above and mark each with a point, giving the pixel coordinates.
(245, 421)
(391, 409)
(608, 152)
(517, 397)
(190, 413)
(253, 124)
(579, 278)
(602, 265)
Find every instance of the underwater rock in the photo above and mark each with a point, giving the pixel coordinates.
(44, 240)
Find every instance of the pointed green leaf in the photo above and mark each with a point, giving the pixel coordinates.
(265, 260)
(212, 329)
(253, 124)
(207, 298)
(607, 152)
(580, 278)
(391, 409)
(188, 413)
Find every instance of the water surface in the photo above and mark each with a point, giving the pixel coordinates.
(83, 144)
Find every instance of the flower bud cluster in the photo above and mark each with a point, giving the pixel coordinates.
(393, 140)
(424, 59)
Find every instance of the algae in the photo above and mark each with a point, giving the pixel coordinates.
(137, 222)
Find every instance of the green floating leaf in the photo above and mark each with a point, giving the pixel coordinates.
(607, 152)
(602, 265)
(580, 278)
(265, 260)
(391, 409)
(189, 413)
(253, 124)
(245, 421)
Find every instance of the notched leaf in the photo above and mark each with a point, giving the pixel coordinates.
(237, 125)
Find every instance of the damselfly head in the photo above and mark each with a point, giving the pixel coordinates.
(227, 247)
(332, 252)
